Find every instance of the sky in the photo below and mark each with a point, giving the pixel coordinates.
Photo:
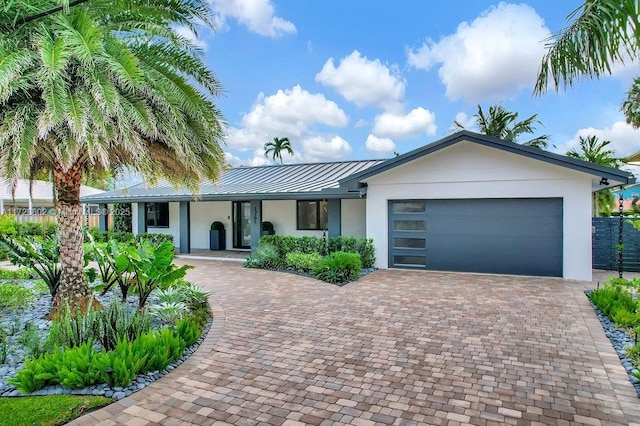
(362, 79)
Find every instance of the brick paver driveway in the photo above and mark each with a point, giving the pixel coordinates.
(397, 347)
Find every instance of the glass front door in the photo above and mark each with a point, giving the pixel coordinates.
(242, 224)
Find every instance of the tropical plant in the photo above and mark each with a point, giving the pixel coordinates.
(600, 33)
(596, 151)
(105, 86)
(114, 265)
(277, 147)
(502, 123)
(116, 322)
(153, 268)
(40, 256)
(338, 267)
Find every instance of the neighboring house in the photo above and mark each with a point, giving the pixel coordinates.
(630, 197)
(32, 198)
(634, 158)
(467, 202)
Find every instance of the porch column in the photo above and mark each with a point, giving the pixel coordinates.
(185, 227)
(335, 217)
(141, 226)
(103, 217)
(256, 222)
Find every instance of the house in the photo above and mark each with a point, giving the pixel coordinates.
(32, 197)
(467, 202)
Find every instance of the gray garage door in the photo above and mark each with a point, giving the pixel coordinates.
(502, 236)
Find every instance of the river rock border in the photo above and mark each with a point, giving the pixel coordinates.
(117, 393)
(620, 339)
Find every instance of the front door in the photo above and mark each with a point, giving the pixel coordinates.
(242, 224)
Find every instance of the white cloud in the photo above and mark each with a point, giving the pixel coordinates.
(490, 59)
(624, 138)
(291, 112)
(257, 15)
(244, 140)
(400, 126)
(325, 148)
(232, 160)
(380, 146)
(363, 81)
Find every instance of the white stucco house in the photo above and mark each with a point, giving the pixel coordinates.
(467, 202)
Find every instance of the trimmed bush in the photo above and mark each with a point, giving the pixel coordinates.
(303, 262)
(265, 256)
(289, 244)
(154, 239)
(338, 267)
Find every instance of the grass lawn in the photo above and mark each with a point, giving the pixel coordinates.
(47, 410)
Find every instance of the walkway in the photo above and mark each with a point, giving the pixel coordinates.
(397, 347)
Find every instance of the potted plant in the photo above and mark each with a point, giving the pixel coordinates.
(217, 236)
(267, 228)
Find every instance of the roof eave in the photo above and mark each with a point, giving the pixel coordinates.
(530, 152)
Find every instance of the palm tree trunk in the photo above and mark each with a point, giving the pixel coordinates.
(73, 287)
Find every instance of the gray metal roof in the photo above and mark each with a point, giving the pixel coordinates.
(354, 181)
(313, 180)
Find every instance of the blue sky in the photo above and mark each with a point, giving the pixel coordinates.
(361, 79)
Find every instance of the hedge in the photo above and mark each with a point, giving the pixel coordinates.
(307, 244)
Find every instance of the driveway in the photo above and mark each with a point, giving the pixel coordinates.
(397, 347)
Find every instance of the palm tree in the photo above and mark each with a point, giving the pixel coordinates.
(598, 152)
(106, 85)
(502, 123)
(276, 148)
(600, 33)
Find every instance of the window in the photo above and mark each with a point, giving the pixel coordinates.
(312, 215)
(158, 215)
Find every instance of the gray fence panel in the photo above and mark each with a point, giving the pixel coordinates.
(605, 244)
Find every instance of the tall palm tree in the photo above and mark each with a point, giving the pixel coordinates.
(596, 151)
(105, 86)
(276, 148)
(600, 33)
(502, 123)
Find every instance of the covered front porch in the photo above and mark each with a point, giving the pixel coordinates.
(189, 222)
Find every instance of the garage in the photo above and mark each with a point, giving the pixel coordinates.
(503, 236)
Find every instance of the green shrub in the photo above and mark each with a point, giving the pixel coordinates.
(610, 298)
(265, 256)
(14, 296)
(633, 353)
(188, 329)
(171, 294)
(116, 323)
(73, 368)
(40, 255)
(4, 345)
(303, 262)
(196, 297)
(339, 267)
(125, 363)
(15, 274)
(169, 312)
(72, 328)
(161, 348)
(307, 244)
(106, 236)
(8, 224)
(154, 239)
(624, 318)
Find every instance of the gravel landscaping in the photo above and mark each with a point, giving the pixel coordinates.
(16, 321)
(620, 339)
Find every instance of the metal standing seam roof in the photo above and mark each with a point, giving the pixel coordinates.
(264, 182)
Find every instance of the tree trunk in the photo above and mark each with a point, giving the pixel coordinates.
(73, 286)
